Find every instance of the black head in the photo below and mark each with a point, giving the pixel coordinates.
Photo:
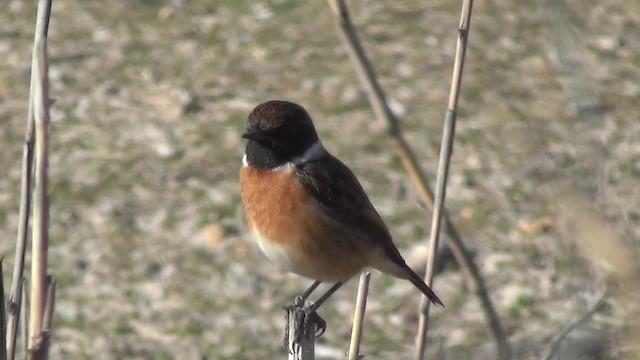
(278, 131)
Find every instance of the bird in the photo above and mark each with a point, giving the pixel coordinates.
(307, 210)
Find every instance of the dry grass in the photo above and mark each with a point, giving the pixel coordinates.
(147, 243)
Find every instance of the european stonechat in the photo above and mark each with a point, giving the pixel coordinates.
(306, 209)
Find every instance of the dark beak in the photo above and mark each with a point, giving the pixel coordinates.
(259, 136)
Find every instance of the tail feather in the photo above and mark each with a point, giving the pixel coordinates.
(395, 265)
(424, 288)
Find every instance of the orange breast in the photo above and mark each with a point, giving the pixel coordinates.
(272, 201)
(292, 228)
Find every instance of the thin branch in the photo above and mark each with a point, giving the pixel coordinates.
(3, 316)
(554, 343)
(47, 323)
(39, 350)
(358, 317)
(446, 148)
(363, 67)
(42, 26)
(25, 317)
(40, 238)
(377, 100)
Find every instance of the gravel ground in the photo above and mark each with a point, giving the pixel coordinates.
(147, 239)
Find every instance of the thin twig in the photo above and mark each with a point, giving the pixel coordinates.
(40, 237)
(377, 100)
(42, 26)
(358, 317)
(25, 317)
(554, 343)
(39, 350)
(3, 316)
(47, 323)
(446, 148)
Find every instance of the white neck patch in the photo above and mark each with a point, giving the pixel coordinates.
(313, 152)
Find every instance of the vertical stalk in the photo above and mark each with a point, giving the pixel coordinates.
(358, 317)
(40, 240)
(41, 29)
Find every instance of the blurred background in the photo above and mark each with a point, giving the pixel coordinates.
(147, 238)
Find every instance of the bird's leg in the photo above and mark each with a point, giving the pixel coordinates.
(300, 300)
(308, 292)
(306, 315)
(328, 294)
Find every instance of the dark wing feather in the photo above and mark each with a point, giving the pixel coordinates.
(336, 187)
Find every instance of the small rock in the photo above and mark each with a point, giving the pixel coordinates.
(211, 235)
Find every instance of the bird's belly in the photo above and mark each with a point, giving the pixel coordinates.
(273, 250)
(310, 261)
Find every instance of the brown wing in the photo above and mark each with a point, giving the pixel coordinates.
(334, 186)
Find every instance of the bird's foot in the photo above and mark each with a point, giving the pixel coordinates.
(311, 317)
(300, 319)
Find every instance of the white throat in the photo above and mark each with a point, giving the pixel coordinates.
(313, 152)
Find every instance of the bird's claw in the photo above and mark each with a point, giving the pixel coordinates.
(303, 316)
(312, 317)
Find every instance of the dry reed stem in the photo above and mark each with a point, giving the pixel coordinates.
(40, 238)
(377, 100)
(358, 317)
(25, 317)
(446, 148)
(41, 29)
(554, 343)
(40, 349)
(3, 316)
(50, 304)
